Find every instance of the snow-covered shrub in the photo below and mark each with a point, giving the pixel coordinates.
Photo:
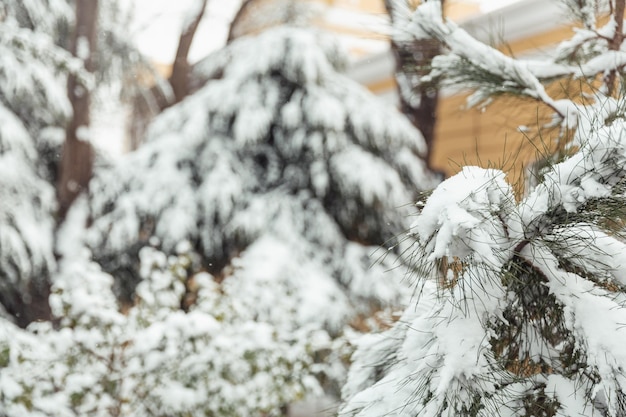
(210, 358)
(521, 303)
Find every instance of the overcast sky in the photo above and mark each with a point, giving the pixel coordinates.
(158, 24)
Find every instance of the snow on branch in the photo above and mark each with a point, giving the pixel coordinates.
(521, 305)
(472, 64)
(586, 11)
(466, 215)
(31, 60)
(468, 53)
(595, 317)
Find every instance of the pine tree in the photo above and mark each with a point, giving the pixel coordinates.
(239, 238)
(284, 175)
(281, 146)
(521, 299)
(33, 109)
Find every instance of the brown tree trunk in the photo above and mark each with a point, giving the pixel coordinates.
(418, 101)
(179, 79)
(153, 101)
(77, 158)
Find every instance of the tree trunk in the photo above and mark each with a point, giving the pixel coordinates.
(77, 158)
(418, 101)
(179, 79)
(151, 102)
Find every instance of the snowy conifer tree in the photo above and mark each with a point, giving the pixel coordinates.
(277, 146)
(284, 175)
(33, 110)
(521, 303)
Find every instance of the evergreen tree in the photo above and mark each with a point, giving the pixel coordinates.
(283, 174)
(33, 109)
(239, 238)
(521, 300)
(276, 146)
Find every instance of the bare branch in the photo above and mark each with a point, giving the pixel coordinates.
(245, 7)
(179, 79)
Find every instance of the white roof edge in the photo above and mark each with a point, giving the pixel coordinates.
(517, 20)
(511, 22)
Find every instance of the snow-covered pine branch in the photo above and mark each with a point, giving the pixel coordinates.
(587, 11)
(487, 72)
(521, 303)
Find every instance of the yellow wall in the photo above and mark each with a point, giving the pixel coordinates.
(491, 137)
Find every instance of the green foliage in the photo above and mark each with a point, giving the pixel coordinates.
(5, 356)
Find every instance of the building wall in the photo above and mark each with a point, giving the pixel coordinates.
(505, 134)
(489, 137)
